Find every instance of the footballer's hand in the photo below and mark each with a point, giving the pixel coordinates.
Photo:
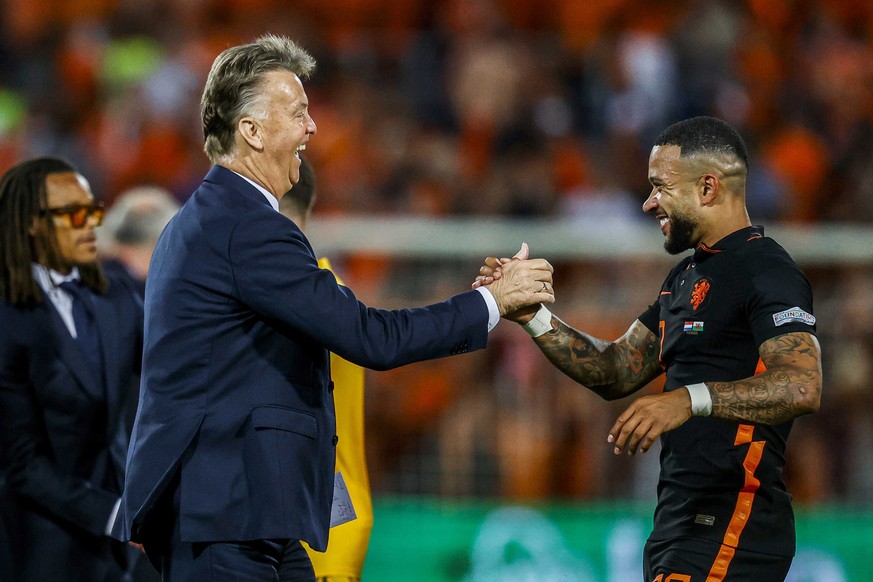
(523, 315)
(524, 283)
(647, 419)
(491, 270)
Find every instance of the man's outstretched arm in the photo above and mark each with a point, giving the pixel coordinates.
(609, 369)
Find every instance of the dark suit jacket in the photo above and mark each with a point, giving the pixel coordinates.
(236, 395)
(62, 439)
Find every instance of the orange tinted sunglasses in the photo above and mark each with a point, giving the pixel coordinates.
(76, 215)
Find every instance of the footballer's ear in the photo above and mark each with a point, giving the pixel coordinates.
(708, 189)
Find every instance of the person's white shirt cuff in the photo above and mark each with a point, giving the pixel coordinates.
(112, 517)
(493, 310)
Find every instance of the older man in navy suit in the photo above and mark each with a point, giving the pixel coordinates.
(70, 345)
(232, 455)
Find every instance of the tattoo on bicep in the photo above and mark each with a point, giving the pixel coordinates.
(644, 346)
(782, 392)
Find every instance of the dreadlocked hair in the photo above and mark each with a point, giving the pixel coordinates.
(23, 198)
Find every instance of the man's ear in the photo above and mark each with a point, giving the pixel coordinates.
(40, 236)
(250, 131)
(34, 228)
(710, 189)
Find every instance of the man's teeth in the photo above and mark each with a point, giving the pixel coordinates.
(664, 220)
(301, 147)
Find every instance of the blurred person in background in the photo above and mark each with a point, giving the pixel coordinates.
(347, 543)
(733, 327)
(231, 463)
(70, 342)
(127, 240)
(130, 231)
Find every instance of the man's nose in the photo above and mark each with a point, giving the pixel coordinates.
(651, 202)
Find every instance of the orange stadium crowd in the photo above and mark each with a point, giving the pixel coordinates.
(497, 108)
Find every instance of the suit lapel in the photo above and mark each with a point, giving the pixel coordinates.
(72, 356)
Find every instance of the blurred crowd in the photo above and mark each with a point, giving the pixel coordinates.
(483, 107)
(512, 108)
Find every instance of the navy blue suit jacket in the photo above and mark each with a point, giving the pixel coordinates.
(62, 437)
(236, 395)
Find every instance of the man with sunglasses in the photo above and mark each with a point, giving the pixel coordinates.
(70, 342)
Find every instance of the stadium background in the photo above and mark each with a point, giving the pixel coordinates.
(453, 129)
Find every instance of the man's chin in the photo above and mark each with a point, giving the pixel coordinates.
(674, 247)
(86, 261)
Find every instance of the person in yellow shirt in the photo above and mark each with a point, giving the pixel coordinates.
(347, 546)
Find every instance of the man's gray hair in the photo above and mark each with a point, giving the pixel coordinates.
(137, 218)
(232, 86)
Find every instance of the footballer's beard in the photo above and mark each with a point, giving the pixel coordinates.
(681, 235)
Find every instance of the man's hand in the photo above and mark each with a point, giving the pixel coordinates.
(647, 419)
(493, 271)
(523, 283)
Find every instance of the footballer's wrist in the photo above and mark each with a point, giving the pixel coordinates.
(701, 399)
(540, 323)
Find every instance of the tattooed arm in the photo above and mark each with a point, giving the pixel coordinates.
(789, 388)
(610, 369)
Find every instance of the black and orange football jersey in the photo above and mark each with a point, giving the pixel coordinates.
(722, 480)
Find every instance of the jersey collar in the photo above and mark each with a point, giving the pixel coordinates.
(730, 242)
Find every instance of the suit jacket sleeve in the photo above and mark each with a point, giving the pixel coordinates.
(277, 275)
(26, 455)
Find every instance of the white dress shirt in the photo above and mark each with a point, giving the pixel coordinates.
(49, 281)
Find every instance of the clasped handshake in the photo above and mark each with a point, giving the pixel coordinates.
(519, 285)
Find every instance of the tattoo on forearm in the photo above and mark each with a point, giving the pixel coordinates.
(610, 369)
(789, 388)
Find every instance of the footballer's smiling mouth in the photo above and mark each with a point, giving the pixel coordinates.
(299, 149)
(663, 220)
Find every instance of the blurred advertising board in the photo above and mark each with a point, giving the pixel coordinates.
(437, 541)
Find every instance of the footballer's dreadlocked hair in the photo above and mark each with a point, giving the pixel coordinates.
(23, 201)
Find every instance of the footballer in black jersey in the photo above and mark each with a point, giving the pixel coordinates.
(733, 329)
